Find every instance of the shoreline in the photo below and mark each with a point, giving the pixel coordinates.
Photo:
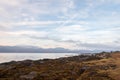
(81, 67)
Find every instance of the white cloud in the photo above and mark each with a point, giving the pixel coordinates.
(9, 25)
(22, 33)
(70, 29)
(11, 3)
(14, 9)
(34, 24)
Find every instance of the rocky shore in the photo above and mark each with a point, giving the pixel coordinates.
(100, 66)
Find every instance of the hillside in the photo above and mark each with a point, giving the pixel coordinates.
(101, 66)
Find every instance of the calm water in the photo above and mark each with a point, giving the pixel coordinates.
(6, 57)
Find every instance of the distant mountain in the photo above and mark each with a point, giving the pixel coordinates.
(33, 49)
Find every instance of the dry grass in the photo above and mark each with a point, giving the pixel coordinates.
(116, 60)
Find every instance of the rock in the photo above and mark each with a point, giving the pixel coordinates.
(29, 76)
(82, 70)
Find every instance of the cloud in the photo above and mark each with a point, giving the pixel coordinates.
(35, 24)
(22, 9)
(8, 25)
(47, 37)
(60, 23)
(81, 45)
(23, 33)
(98, 46)
(70, 29)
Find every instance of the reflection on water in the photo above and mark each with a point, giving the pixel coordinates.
(6, 57)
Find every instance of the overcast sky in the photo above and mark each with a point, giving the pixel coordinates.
(71, 24)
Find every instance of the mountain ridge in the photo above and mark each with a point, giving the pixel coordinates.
(34, 49)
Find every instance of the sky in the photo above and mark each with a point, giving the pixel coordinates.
(70, 24)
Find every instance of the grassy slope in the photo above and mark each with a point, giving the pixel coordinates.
(115, 60)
